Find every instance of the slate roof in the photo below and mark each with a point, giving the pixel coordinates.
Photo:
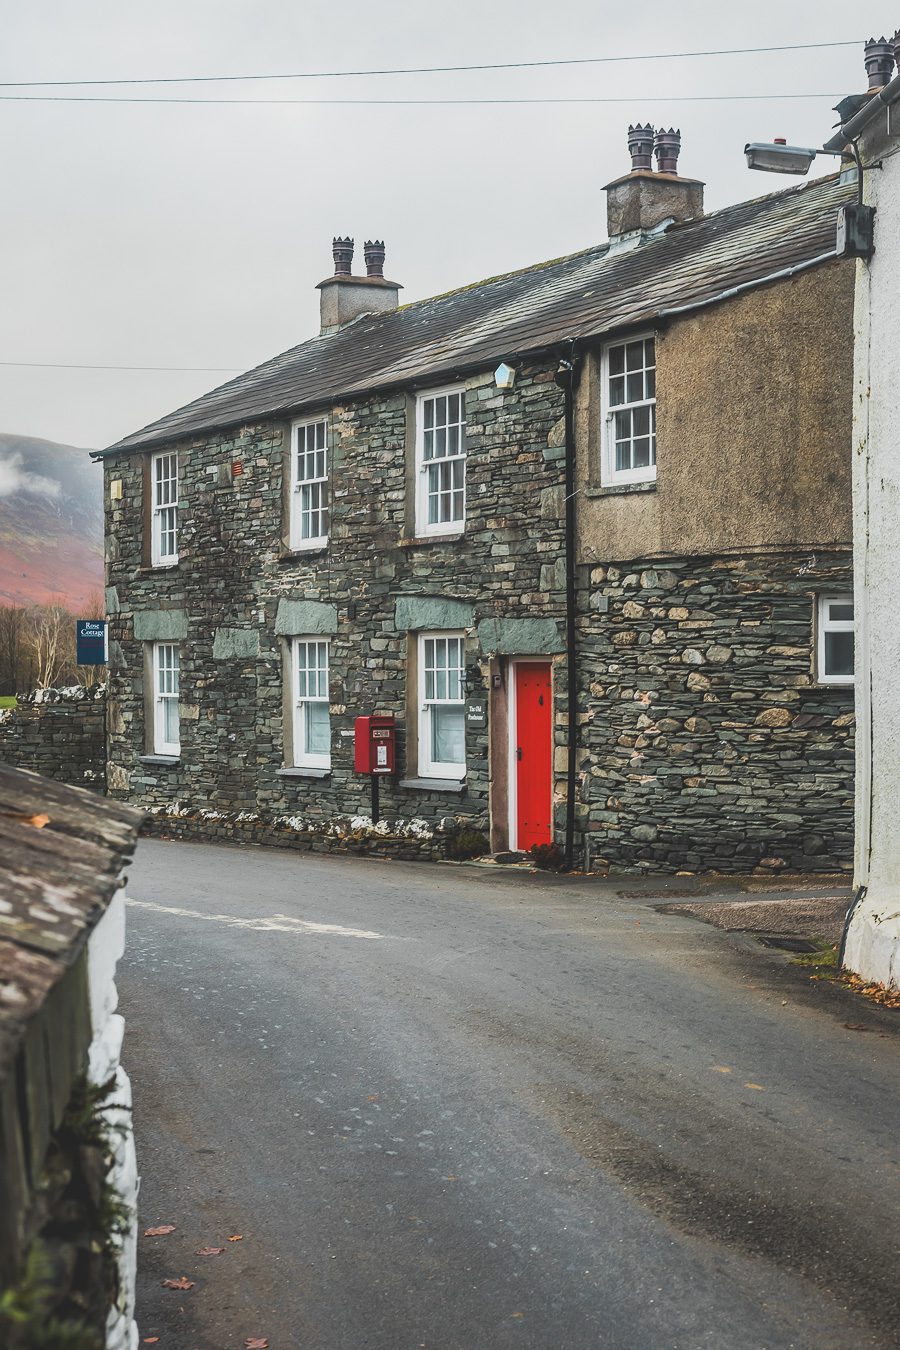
(581, 295)
(61, 852)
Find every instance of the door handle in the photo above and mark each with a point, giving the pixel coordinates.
(518, 752)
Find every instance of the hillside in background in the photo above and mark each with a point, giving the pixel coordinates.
(51, 523)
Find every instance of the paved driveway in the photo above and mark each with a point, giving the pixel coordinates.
(448, 1108)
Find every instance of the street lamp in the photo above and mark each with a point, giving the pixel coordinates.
(855, 221)
(779, 157)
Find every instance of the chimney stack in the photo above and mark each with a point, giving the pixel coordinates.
(344, 297)
(879, 62)
(645, 200)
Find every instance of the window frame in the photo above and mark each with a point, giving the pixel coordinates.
(825, 625)
(162, 746)
(302, 758)
(295, 515)
(428, 767)
(422, 465)
(610, 476)
(157, 557)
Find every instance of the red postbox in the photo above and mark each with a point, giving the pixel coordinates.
(375, 744)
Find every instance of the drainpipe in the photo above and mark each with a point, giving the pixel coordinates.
(566, 376)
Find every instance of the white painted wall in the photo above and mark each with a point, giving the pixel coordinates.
(873, 939)
(105, 946)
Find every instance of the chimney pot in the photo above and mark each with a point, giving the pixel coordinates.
(640, 146)
(342, 252)
(373, 251)
(879, 61)
(667, 147)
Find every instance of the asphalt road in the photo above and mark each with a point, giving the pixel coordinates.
(448, 1108)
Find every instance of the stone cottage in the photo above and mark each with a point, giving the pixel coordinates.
(583, 530)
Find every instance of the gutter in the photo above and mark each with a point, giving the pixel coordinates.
(748, 285)
(885, 97)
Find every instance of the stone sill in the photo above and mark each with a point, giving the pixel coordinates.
(159, 759)
(300, 554)
(457, 785)
(430, 540)
(302, 773)
(619, 489)
(153, 570)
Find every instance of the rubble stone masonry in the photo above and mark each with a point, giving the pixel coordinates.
(705, 740)
(235, 571)
(707, 743)
(58, 733)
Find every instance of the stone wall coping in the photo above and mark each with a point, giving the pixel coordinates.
(73, 693)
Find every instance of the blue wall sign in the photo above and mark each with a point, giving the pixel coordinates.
(90, 640)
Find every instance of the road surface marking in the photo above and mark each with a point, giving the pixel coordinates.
(274, 923)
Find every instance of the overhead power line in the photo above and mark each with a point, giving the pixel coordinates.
(404, 102)
(431, 70)
(62, 365)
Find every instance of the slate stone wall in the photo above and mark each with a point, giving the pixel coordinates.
(58, 733)
(240, 590)
(707, 742)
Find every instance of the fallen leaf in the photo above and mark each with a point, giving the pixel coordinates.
(757, 1087)
(37, 822)
(721, 1068)
(161, 1231)
(236, 1237)
(210, 1251)
(181, 1283)
(256, 1343)
(373, 1098)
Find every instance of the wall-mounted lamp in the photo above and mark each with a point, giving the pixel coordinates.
(855, 221)
(779, 157)
(505, 376)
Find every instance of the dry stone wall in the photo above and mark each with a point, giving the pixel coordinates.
(57, 733)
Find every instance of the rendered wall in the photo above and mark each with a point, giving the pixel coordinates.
(753, 430)
(873, 940)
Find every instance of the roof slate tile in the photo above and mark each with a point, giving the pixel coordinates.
(585, 294)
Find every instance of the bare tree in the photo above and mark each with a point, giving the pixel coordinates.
(15, 655)
(52, 641)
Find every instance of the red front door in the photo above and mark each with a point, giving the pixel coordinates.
(534, 754)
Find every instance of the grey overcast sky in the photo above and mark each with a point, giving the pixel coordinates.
(193, 235)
